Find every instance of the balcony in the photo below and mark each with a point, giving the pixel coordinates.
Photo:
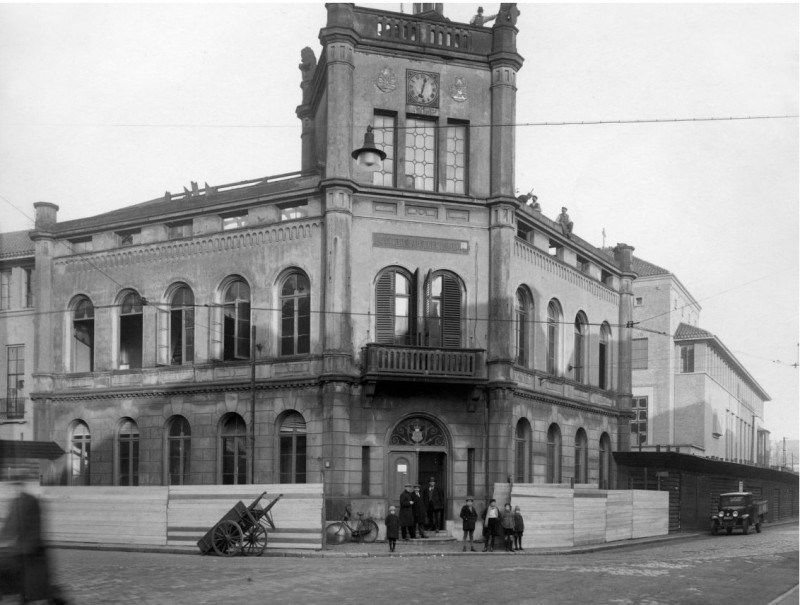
(12, 408)
(397, 362)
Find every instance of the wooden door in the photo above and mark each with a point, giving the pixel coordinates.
(402, 470)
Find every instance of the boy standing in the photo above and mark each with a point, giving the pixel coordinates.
(469, 515)
(392, 527)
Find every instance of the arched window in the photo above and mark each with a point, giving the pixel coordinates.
(605, 461)
(522, 452)
(83, 336)
(581, 457)
(394, 301)
(130, 332)
(554, 454)
(580, 352)
(443, 311)
(295, 314)
(522, 328)
(604, 357)
(293, 449)
(80, 454)
(236, 321)
(179, 448)
(233, 446)
(128, 453)
(181, 326)
(553, 331)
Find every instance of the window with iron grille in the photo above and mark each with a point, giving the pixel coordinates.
(384, 131)
(639, 421)
(293, 449)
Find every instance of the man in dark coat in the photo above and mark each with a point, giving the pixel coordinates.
(420, 518)
(407, 512)
(22, 536)
(469, 516)
(433, 497)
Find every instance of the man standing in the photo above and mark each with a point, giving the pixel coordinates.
(420, 519)
(433, 497)
(407, 513)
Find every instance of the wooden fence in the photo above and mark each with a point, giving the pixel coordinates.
(173, 516)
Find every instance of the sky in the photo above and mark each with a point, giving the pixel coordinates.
(107, 105)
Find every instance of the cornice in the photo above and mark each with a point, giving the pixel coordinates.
(570, 404)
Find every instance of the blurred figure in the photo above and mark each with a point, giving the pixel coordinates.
(23, 556)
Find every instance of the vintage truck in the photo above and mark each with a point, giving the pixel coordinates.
(738, 510)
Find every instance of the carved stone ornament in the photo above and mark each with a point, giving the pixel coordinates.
(417, 432)
(386, 80)
(458, 90)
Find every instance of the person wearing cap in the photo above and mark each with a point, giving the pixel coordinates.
(433, 497)
(392, 522)
(507, 521)
(420, 519)
(519, 528)
(407, 513)
(491, 518)
(469, 515)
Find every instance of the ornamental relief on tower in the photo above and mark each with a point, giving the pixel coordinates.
(458, 89)
(386, 80)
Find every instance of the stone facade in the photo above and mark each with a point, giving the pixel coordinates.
(357, 328)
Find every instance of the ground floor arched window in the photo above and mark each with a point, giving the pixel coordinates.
(79, 454)
(233, 446)
(293, 448)
(554, 454)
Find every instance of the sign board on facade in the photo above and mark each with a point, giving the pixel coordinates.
(426, 244)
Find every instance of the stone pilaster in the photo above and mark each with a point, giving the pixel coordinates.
(623, 253)
(43, 237)
(502, 230)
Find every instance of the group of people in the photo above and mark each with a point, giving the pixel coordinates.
(425, 510)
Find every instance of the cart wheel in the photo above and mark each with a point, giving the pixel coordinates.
(369, 530)
(337, 533)
(255, 541)
(227, 538)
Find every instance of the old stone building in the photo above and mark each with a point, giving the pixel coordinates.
(344, 324)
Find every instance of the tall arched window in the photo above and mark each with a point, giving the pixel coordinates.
(181, 326)
(579, 351)
(554, 454)
(581, 457)
(236, 321)
(293, 449)
(83, 336)
(128, 453)
(553, 331)
(522, 452)
(179, 448)
(233, 446)
(522, 328)
(605, 461)
(295, 314)
(80, 454)
(394, 301)
(443, 311)
(604, 357)
(130, 332)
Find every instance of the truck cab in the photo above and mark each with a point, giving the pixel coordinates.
(738, 510)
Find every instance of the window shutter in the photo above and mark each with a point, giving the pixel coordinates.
(162, 337)
(426, 311)
(215, 332)
(384, 308)
(451, 312)
(413, 311)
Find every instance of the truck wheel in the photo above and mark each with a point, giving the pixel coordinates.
(729, 530)
(745, 527)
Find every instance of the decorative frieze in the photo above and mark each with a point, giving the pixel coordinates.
(218, 243)
(545, 262)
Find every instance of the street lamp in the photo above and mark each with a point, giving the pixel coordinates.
(369, 157)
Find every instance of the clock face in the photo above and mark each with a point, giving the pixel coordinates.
(422, 88)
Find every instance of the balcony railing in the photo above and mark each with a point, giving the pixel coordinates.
(12, 408)
(458, 365)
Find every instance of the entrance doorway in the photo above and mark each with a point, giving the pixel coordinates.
(415, 467)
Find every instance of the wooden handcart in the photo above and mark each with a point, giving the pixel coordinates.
(243, 530)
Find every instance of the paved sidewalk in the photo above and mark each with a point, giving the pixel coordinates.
(432, 547)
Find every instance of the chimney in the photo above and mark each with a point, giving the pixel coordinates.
(46, 216)
(427, 7)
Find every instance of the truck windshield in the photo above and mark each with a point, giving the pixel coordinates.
(732, 501)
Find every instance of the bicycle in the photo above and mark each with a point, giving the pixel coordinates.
(360, 530)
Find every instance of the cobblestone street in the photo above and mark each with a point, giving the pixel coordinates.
(753, 569)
